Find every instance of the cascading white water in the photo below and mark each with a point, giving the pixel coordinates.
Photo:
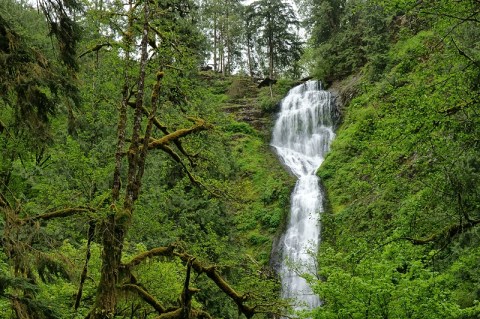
(301, 137)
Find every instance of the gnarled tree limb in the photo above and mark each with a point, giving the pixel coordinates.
(164, 130)
(200, 125)
(185, 310)
(148, 298)
(66, 212)
(447, 233)
(159, 251)
(213, 274)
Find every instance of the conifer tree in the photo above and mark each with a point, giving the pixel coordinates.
(278, 39)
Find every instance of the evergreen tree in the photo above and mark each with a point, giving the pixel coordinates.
(277, 39)
(251, 27)
(221, 22)
(324, 18)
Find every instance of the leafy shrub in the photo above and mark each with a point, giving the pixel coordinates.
(240, 127)
(256, 239)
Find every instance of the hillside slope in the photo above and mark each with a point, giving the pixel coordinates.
(401, 236)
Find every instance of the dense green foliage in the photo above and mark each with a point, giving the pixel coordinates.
(92, 227)
(400, 236)
(218, 194)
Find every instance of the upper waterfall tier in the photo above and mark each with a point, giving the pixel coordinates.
(304, 128)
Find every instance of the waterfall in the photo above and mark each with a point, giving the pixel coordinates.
(301, 137)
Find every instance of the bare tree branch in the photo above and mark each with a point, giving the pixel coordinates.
(464, 19)
(187, 293)
(164, 130)
(462, 53)
(167, 149)
(3, 202)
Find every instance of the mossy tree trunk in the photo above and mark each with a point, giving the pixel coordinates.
(116, 224)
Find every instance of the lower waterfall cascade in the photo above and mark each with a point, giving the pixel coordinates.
(301, 137)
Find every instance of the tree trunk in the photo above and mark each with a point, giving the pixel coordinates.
(249, 57)
(215, 43)
(270, 55)
(112, 241)
(116, 224)
(227, 41)
(222, 58)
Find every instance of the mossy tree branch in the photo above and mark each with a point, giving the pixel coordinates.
(213, 274)
(446, 234)
(200, 125)
(164, 130)
(83, 277)
(159, 251)
(185, 310)
(95, 48)
(148, 298)
(66, 212)
(175, 314)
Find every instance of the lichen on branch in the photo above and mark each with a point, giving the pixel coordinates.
(200, 125)
(159, 251)
(212, 273)
(447, 233)
(66, 212)
(148, 298)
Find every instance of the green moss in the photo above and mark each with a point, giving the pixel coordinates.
(260, 186)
